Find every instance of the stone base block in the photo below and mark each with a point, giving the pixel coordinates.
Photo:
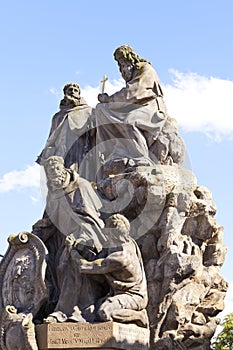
(81, 335)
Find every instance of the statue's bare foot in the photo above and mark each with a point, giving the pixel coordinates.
(55, 317)
(131, 316)
(50, 319)
(76, 316)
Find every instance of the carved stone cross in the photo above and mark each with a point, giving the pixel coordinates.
(105, 78)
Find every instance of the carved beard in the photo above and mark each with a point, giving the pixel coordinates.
(69, 102)
(56, 181)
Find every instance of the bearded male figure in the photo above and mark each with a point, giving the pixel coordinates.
(142, 82)
(71, 225)
(70, 135)
(135, 119)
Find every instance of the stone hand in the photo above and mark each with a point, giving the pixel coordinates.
(103, 97)
(84, 265)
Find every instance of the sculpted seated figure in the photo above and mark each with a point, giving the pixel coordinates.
(71, 220)
(131, 120)
(142, 82)
(70, 134)
(123, 268)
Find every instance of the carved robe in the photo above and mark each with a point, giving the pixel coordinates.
(143, 89)
(71, 138)
(73, 211)
(132, 119)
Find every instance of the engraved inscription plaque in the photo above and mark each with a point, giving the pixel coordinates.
(84, 335)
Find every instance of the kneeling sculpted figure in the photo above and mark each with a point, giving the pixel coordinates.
(124, 271)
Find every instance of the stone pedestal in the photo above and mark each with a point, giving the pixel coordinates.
(105, 335)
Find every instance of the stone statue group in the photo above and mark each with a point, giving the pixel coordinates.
(84, 260)
(95, 269)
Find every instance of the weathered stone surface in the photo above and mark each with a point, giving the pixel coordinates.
(190, 291)
(23, 291)
(17, 330)
(96, 335)
(22, 273)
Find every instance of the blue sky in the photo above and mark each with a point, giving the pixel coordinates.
(46, 44)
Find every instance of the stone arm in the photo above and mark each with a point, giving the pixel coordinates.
(142, 87)
(113, 262)
(44, 228)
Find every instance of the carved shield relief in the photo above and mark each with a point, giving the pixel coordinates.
(22, 273)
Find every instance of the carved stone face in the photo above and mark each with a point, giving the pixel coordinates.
(116, 236)
(71, 96)
(73, 91)
(55, 172)
(126, 68)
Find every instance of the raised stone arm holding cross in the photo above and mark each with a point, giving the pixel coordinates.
(103, 97)
(103, 81)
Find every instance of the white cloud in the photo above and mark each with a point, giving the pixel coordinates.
(35, 199)
(91, 93)
(116, 85)
(18, 179)
(56, 93)
(201, 104)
